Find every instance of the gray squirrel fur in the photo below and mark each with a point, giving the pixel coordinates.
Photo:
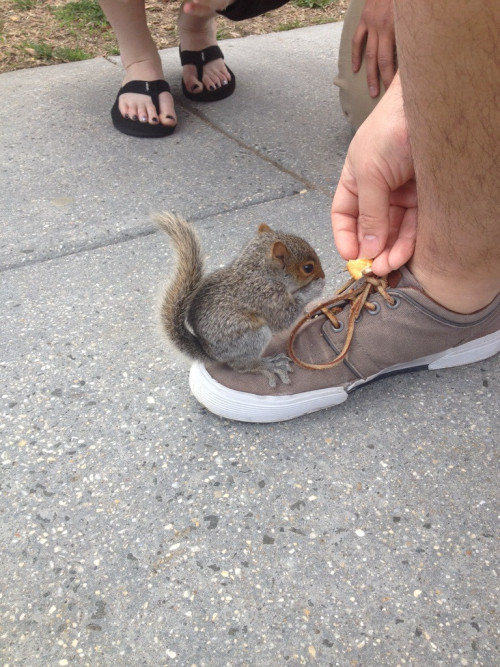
(231, 314)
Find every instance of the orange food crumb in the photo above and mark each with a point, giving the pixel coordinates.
(359, 267)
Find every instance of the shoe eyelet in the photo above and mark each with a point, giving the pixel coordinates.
(339, 328)
(396, 304)
(374, 311)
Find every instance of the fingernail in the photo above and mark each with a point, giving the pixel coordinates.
(373, 91)
(370, 246)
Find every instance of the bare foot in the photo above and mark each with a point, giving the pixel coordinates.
(140, 107)
(195, 34)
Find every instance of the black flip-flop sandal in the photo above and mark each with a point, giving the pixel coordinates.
(198, 59)
(134, 127)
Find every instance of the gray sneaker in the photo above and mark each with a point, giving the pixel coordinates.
(395, 328)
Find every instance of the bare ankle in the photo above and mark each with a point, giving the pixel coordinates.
(148, 68)
(455, 290)
(196, 28)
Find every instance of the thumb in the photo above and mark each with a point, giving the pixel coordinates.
(373, 218)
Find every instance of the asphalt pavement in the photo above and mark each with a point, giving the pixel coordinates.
(138, 528)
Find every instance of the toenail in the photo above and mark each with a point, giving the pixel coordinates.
(225, 82)
(212, 87)
(194, 86)
(126, 116)
(134, 118)
(154, 120)
(143, 119)
(171, 117)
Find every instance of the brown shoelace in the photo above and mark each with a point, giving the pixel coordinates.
(357, 298)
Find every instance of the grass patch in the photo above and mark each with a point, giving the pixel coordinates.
(313, 4)
(48, 53)
(222, 34)
(40, 50)
(84, 13)
(24, 5)
(289, 26)
(71, 55)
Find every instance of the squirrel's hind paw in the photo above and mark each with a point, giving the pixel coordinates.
(277, 365)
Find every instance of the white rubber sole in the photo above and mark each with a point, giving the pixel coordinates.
(246, 407)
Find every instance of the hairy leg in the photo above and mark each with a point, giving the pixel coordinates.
(140, 59)
(450, 73)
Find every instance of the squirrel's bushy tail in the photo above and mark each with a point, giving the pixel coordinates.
(188, 274)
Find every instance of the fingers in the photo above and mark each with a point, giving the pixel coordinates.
(358, 44)
(371, 62)
(373, 219)
(400, 243)
(202, 7)
(385, 59)
(402, 228)
(374, 40)
(360, 214)
(389, 239)
(375, 203)
(404, 246)
(345, 220)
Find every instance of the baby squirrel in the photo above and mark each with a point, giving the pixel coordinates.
(230, 315)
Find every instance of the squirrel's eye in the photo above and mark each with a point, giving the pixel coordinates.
(308, 268)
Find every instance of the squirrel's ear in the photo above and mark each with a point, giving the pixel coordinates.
(280, 253)
(265, 229)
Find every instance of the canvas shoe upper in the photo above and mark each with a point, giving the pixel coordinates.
(399, 329)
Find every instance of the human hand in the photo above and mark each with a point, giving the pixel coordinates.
(375, 36)
(374, 210)
(204, 7)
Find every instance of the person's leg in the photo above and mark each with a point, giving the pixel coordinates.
(140, 59)
(354, 97)
(198, 31)
(195, 34)
(450, 74)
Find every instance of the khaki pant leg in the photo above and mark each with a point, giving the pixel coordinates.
(354, 98)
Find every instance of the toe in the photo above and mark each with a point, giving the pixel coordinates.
(215, 75)
(191, 81)
(210, 82)
(152, 114)
(142, 112)
(140, 108)
(125, 107)
(167, 112)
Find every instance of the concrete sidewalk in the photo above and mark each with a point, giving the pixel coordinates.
(139, 529)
